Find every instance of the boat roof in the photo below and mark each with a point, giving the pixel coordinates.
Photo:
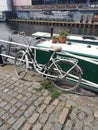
(78, 48)
(72, 47)
(42, 34)
(83, 38)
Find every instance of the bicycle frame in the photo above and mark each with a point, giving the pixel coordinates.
(43, 68)
(63, 72)
(38, 67)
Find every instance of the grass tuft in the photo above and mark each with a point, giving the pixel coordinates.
(46, 84)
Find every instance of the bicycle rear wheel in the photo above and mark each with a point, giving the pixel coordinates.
(72, 79)
(20, 64)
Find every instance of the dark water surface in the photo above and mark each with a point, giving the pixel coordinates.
(5, 29)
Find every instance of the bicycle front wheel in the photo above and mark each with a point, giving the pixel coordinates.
(68, 75)
(21, 64)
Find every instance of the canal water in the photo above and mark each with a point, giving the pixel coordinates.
(6, 28)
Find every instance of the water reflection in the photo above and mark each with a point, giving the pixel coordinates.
(5, 29)
(85, 31)
(32, 28)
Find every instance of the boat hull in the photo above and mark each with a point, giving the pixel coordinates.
(90, 69)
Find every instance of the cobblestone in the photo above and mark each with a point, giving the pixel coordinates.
(7, 107)
(37, 127)
(44, 118)
(29, 111)
(53, 117)
(19, 123)
(39, 101)
(2, 104)
(18, 113)
(68, 125)
(13, 101)
(1, 123)
(50, 108)
(11, 120)
(56, 101)
(42, 108)
(58, 126)
(48, 100)
(26, 126)
(23, 108)
(33, 118)
(13, 110)
(48, 126)
(4, 127)
(2, 112)
(5, 116)
(63, 116)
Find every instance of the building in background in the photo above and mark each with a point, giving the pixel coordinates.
(22, 2)
(64, 10)
(5, 5)
(37, 2)
(5, 9)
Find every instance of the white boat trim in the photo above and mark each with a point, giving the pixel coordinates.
(74, 48)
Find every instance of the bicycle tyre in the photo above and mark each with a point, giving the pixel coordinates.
(71, 81)
(21, 64)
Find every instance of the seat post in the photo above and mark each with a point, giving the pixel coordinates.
(52, 54)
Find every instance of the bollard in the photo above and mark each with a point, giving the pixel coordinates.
(51, 31)
(1, 60)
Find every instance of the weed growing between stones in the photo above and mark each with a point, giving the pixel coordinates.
(46, 84)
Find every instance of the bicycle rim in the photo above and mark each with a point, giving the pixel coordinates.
(72, 79)
(20, 64)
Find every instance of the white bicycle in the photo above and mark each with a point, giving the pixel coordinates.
(63, 72)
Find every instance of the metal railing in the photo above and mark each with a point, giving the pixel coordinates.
(4, 49)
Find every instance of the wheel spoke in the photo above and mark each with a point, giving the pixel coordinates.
(69, 75)
(20, 64)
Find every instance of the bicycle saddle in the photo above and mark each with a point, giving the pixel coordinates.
(56, 48)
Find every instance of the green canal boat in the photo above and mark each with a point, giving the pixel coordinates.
(87, 56)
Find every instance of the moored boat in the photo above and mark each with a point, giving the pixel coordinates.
(87, 55)
(84, 39)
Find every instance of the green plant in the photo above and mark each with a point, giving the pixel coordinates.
(54, 37)
(46, 84)
(63, 33)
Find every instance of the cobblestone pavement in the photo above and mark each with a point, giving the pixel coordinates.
(22, 108)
